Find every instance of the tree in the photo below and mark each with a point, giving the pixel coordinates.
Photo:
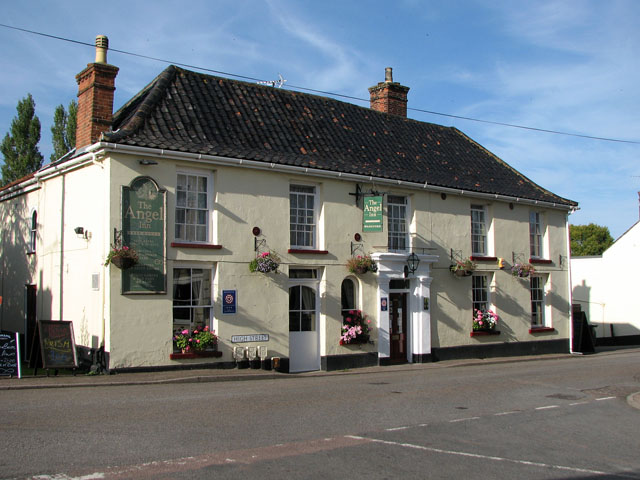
(20, 146)
(589, 239)
(63, 131)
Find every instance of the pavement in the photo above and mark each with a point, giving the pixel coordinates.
(82, 380)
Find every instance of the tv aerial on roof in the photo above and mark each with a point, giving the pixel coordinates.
(275, 83)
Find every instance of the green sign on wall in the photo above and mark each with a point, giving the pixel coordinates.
(372, 214)
(143, 229)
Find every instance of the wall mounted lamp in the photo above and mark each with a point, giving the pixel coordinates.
(147, 162)
(412, 262)
(82, 233)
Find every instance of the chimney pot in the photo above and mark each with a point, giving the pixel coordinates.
(102, 45)
(389, 96)
(96, 86)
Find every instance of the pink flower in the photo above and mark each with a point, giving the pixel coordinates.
(185, 332)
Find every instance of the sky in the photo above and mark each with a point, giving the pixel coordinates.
(566, 66)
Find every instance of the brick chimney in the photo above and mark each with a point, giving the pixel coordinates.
(96, 86)
(389, 96)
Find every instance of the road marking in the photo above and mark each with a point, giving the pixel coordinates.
(604, 398)
(396, 429)
(506, 413)
(578, 403)
(476, 455)
(198, 463)
(547, 407)
(92, 476)
(464, 419)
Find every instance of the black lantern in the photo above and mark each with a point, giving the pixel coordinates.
(412, 262)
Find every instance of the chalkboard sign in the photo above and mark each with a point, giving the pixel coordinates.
(9, 355)
(57, 344)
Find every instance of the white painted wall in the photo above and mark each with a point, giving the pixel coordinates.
(607, 286)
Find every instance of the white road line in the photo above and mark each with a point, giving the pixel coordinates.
(395, 429)
(506, 413)
(578, 403)
(464, 419)
(547, 407)
(604, 398)
(482, 457)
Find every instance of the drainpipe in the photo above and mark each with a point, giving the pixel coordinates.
(61, 293)
(569, 285)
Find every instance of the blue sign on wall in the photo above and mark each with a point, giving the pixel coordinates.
(384, 304)
(229, 302)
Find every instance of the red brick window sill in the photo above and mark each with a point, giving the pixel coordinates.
(311, 252)
(482, 333)
(540, 261)
(541, 329)
(476, 258)
(180, 356)
(205, 246)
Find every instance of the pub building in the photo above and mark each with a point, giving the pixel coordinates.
(305, 232)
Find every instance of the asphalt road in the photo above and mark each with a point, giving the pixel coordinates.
(543, 419)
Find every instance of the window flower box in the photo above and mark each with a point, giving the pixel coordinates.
(484, 321)
(481, 333)
(195, 354)
(197, 342)
(355, 329)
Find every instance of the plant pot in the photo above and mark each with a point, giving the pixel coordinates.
(361, 270)
(462, 273)
(123, 262)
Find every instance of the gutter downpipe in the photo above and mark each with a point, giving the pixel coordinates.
(61, 294)
(569, 286)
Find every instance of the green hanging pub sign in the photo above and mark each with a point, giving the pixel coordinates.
(143, 229)
(372, 214)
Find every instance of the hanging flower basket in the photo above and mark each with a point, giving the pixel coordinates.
(361, 265)
(121, 255)
(463, 269)
(522, 270)
(123, 262)
(264, 263)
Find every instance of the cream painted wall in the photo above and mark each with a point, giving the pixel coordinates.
(607, 288)
(510, 296)
(137, 329)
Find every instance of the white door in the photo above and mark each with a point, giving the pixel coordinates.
(304, 352)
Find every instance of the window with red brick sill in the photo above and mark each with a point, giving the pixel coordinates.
(303, 214)
(194, 208)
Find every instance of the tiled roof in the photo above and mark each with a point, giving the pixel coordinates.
(191, 112)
